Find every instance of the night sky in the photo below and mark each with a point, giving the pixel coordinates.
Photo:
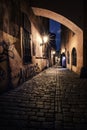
(55, 27)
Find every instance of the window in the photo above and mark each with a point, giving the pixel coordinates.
(74, 57)
(68, 57)
(26, 39)
(34, 49)
(26, 47)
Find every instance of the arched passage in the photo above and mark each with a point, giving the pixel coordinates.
(77, 40)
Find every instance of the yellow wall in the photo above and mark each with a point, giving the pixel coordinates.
(75, 41)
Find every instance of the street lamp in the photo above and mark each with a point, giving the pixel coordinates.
(45, 39)
(53, 52)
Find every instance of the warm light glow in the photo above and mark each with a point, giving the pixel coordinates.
(38, 38)
(45, 38)
(69, 24)
(63, 50)
(53, 52)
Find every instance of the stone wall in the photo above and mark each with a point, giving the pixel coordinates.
(13, 71)
(71, 40)
(10, 53)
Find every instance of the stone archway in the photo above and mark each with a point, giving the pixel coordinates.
(77, 41)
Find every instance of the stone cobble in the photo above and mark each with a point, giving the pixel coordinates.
(73, 100)
(30, 106)
(55, 99)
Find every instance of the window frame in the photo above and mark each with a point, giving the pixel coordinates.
(74, 57)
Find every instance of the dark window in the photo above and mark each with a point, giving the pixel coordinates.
(26, 39)
(74, 57)
(26, 22)
(26, 47)
(34, 49)
(68, 57)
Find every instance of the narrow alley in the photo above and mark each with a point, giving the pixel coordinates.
(55, 99)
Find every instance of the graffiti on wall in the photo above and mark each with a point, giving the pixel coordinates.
(5, 51)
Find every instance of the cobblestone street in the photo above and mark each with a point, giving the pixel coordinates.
(55, 99)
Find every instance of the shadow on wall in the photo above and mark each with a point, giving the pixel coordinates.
(83, 72)
(5, 70)
(5, 51)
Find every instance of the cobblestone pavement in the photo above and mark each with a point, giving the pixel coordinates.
(55, 99)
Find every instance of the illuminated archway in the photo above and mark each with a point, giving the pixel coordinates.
(57, 17)
(77, 42)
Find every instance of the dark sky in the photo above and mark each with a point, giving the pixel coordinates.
(55, 27)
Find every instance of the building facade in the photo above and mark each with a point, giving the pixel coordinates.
(21, 55)
(71, 50)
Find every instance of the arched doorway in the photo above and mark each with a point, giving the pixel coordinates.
(74, 57)
(63, 60)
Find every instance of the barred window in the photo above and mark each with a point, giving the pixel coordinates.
(26, 47)
(26, 39)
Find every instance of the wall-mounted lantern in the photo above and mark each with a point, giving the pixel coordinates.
(45, 39)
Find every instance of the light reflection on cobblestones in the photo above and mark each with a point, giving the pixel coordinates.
(54, 99)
